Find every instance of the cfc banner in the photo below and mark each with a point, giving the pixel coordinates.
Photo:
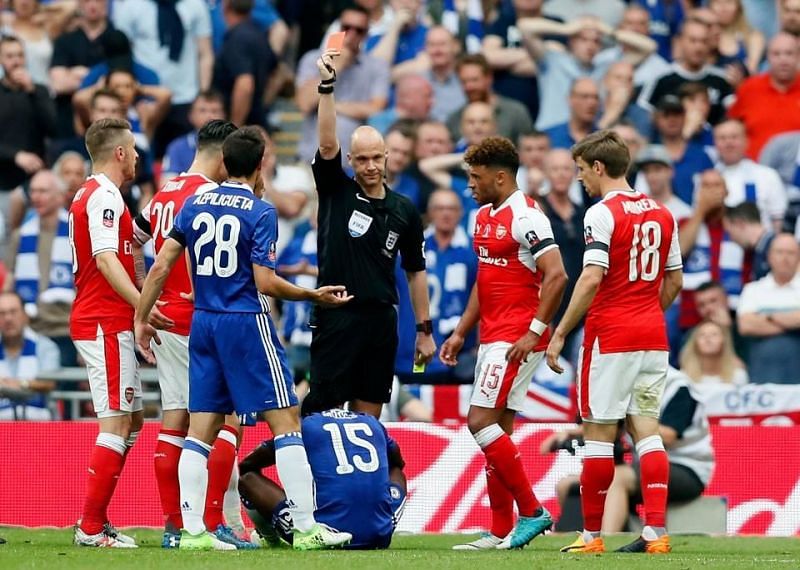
(43, 475)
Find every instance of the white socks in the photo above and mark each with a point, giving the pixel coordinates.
(295, 474)
(232, 503)
(193, 480)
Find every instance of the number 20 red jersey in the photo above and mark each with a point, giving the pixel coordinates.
(635, 239)
(155, 221)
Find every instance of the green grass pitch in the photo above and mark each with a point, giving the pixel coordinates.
(52, 550)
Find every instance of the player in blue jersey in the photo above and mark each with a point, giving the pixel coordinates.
(358, 470)
(236, 363)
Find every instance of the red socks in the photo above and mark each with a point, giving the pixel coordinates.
(105, 466)
(596, 477)
(502, 456)
(220, 465)
(165, 461)
(654, 468)
(501, 502)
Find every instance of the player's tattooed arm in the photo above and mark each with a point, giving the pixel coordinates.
(140, 271)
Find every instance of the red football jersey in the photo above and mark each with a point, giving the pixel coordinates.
(99, 222)
(508, 242)
(635, 239)
(155, 221)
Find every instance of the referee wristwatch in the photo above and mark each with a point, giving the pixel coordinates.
(425, 327)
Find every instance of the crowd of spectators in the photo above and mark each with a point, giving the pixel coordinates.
(705, 92)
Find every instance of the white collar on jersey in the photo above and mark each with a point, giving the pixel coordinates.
(235, 184)
(621, 192)
(103, 180)
(515, 195)
(188, 173)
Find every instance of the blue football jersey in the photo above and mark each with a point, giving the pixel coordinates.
(348, 454)
(451, 274)
(226, 231)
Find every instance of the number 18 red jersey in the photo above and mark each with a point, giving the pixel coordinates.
(635, 239)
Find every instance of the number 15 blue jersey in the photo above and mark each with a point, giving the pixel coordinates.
(348, 454)
(225, 232)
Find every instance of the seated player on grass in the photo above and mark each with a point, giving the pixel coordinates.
(358, 471)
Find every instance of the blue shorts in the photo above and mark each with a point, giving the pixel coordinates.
(282, 522)
(237, 363)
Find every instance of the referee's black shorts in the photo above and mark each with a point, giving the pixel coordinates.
(352, 354)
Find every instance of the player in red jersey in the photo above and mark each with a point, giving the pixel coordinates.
(521, 280)
(632, 271)
(172, 355)
(101, 323)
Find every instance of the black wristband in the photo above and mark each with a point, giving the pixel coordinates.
(425, 327)
(323, 89)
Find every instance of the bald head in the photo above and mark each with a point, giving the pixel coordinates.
(559, 169)
(414, 97)
(46, 192)
(364, 137)
(367, 156)
(782, 55)
(477, 122)
(783, 257)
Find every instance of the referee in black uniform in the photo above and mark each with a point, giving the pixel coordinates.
(363, 226)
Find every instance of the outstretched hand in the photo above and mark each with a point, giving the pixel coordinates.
(332, 296)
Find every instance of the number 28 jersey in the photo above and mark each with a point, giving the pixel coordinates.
(636, 240)
(226, 231)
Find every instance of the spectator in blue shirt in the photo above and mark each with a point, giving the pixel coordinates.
(404, 38)
(244, 65)
(264, 14)
(118, 55)
(452, 268)
(207, 106)
(688, 157)
(413, 100)
(584, 103)
(399, 155)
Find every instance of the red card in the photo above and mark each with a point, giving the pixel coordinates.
(336, 41)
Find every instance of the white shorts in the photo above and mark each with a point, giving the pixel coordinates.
(172, 360)
(619, 384)
(500, 384)
(113, 373)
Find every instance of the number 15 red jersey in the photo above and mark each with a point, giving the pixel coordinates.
(635, 239)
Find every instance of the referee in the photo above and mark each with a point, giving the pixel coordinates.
(363, 226)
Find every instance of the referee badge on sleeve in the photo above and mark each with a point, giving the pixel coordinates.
(359, 223)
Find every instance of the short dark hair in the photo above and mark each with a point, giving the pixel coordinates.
(406, 127)
(9, 39)
(125, 70)
(692, 88)
(744, 212)
(475, 59)
(709, 285)
(494, 152)
(104, 93)
(242, 151)
(209, 95)
(105, 135)
(241, 7)
(531, 134)
(213, 134)
(606, 147)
